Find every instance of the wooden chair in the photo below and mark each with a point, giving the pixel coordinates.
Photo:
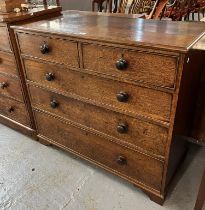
(201, 195)
(177, 10)
(120, 6)
(197, 7)
(158, 9)
(99, 4)
(153, 9)
(141, 6)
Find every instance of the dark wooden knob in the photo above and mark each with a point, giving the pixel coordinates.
(122, 97)
(122, 128)
(121, 64)
(11, 109)
(44, 48)
(121, 160)
(54, 104)
(50, 77)
(3, 85)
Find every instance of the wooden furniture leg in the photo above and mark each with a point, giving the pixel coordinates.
(44, 142)
(155, 198)
(110, 5)
(115, 6)
(201, 195)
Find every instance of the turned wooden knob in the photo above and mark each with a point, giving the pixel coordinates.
(54, 104)
(122, 97)
(122, 128)
(11, 109)
(121, 64)
(3, 85)
(44, 48)
(121, 160)
(50, 77)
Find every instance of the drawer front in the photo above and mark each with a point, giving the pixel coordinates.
(4, 39)
(102, 91)
(10, 87)
(145, 135)
(7, 63)
(139, 66)
(14, 110)
(126, 162)
(58, 50)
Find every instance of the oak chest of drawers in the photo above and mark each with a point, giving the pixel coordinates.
(15, 110)
(108, 90)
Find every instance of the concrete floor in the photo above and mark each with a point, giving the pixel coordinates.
(36, 177)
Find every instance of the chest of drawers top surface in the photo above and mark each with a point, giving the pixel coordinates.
(177, 36)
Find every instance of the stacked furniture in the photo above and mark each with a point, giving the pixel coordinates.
(107, 89)
(15, 110)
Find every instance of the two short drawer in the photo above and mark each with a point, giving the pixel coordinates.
(125, 130)
(154, 68)
(126, 163)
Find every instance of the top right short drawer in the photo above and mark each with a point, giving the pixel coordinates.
(152, 68)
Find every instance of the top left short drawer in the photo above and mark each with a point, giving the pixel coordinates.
(49, 48)
(4, 39)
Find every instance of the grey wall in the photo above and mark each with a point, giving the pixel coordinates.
(76, 4)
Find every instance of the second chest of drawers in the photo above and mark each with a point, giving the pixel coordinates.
(12, 102)
(15, 110)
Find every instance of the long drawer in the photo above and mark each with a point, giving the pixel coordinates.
(129, 164)
(10, 87)
(146, 67)
(50, 49)
(4, 39)
(135, 132)
(7, 63)
(113, 94)
(14, 110)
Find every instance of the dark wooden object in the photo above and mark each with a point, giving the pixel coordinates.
(99, 4)
(198, 126)
(15, 109)
(109, 90)
(201, 195)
